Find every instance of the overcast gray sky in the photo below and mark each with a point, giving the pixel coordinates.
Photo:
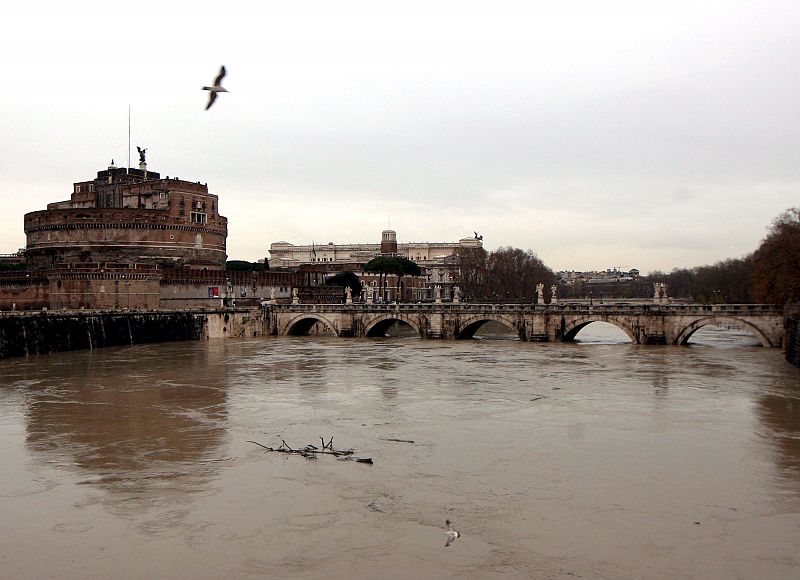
(595, 133)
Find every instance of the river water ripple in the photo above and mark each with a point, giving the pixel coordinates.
(595, 460)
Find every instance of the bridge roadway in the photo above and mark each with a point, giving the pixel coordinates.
(643, 323)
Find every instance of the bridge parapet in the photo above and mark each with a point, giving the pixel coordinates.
(665, 309)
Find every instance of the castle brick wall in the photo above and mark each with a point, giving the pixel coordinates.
(21, 291)
(212, 288)
(65, 236)
(108, 292)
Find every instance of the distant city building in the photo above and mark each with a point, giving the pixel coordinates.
(132, 216)
(612, 275)
(434, 258)
(286, 255)
(606, 284)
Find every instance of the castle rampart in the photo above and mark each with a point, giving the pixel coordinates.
(133, 216)
(66, 236)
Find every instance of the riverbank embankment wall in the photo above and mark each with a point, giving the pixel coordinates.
(23, 334)
(792, 340)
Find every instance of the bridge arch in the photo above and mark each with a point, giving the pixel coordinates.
(572, 329)
(684, 335)
(469, 326)
(380, 324)
(302, 324)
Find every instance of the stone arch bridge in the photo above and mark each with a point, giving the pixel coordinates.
(643, 323)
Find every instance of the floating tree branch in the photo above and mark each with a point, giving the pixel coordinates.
(312, 451)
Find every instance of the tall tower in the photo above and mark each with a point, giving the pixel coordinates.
(389, 242)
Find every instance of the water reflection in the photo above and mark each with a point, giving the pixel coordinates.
(492, 330)
(399, 329)
(780, 419)
(659, 370)
(599, 332)
(723, 336)
(132, 421)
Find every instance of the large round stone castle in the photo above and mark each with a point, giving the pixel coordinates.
(132, 239)
(133, 216)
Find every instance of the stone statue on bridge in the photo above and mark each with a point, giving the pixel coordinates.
(659, 293)
(553, 294)
(437, 294)
(295, 298)
(348, 295)
(272, 299)
(540, 293)
(456, 295)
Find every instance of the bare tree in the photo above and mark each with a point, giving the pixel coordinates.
(514, 273)
(468, 266)
(777, 261)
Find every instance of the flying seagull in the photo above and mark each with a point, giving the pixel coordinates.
(451, 534)
(216, 88)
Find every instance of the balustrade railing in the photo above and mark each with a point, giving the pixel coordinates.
(617, 307)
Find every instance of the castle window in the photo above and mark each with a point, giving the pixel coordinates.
(198, 218)
(77, 189)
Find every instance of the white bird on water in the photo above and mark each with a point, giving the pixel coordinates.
(451, 534)
(216, 88)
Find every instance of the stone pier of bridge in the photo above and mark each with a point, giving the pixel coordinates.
(643, 323)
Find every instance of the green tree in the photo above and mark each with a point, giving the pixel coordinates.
(402, 266)
(378, 265)
(345, 279)
(244, 266)
(392, 265)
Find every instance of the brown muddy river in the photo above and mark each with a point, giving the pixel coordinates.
(598, 459)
